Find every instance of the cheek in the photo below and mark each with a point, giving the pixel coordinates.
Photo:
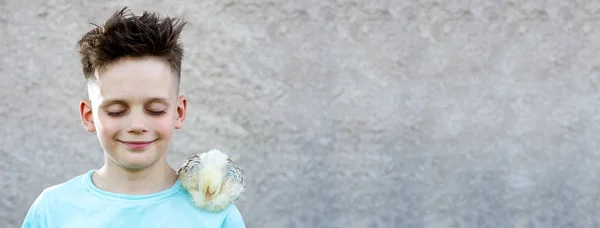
(164, 125)
(107, 125)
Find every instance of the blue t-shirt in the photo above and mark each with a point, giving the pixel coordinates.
(79, 203)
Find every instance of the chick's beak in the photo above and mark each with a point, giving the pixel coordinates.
(208, 195)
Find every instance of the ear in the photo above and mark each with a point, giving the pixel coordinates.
(181, 112)
(87, 118)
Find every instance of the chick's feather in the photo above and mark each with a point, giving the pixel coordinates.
(212, 179)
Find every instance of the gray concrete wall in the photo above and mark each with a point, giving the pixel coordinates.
(343, 113)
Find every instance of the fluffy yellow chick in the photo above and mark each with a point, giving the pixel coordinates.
(212, 180)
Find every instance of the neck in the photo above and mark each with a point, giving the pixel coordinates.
(155, 178)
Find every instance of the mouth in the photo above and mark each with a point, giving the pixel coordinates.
(137, 145)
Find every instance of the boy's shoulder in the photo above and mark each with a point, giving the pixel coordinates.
(40, 210)
(68, 188)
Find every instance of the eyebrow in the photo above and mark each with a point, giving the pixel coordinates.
(123, 102)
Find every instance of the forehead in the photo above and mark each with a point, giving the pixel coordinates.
(134, 79)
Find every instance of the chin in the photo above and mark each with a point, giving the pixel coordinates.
(136, 165)
(137, 160)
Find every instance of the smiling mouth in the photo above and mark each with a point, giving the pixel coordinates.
(137, 145)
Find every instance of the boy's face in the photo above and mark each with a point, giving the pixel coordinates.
(134, 108)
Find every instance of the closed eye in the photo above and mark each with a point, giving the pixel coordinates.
(115, 114)
(157, 113)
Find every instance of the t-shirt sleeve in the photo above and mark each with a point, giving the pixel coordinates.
(35, 216)
(233, 219)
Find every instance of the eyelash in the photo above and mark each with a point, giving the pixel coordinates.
(116, 114)
(159, 113)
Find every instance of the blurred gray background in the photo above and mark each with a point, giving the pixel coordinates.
(342, 113)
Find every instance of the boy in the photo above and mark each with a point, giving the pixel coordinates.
(132, 67)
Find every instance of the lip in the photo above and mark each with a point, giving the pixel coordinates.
(137, 145)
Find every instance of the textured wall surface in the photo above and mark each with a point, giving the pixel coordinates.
(343, 113)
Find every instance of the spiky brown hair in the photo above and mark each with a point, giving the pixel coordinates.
(126, 35)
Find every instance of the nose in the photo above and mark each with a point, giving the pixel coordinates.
(138, 123)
